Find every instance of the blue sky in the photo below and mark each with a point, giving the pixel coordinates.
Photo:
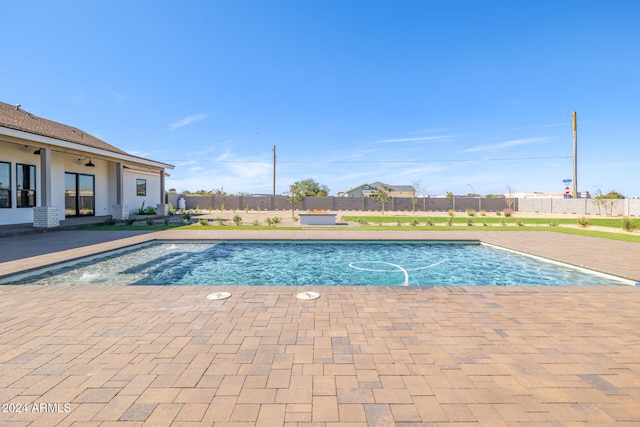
(457, 95)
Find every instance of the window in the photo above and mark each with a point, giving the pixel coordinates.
(25, 186)
(5, 185)
(141, 187)
(79, 194)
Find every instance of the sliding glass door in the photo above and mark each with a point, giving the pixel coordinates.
(79, 194)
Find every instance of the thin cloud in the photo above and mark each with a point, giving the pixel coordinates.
(506, 144)
(187, 121)
(415, 139)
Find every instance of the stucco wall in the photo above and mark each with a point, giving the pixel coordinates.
(133, 201)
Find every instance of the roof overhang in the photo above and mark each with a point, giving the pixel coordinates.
(40, 141)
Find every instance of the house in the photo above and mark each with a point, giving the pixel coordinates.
(50, 171)
(365, 190)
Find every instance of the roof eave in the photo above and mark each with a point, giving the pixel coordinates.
(48, 141)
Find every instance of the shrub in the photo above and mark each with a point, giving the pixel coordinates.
(471, 212)
(129, 221)
(255, 223)
(399, 223)
(246, 208)
(172, 211)
(483, 213)
(451, 213)
(149, 221)
(520, 223)
(430, 222)
(111, 221)
(498, 213)
(166, 221)
(583, 222)
(222, 208)
(507, 213)
(470, 222)
(628, 224)
(220, 221)
(185, 221)
(414, 222)
(554, 224)
(484, 223)
(149, 210)
(237, 220)
(203, 222)
(503, 223)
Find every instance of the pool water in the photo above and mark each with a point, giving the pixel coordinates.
(318, 263)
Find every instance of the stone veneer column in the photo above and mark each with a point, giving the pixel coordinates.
(162, 209)
(45, 217)
(120, 212)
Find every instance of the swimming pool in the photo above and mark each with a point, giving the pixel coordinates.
(319, 263)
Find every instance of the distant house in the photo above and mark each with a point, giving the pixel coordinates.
(365, 190)
(50, 171)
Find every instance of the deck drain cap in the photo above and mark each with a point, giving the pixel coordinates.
(308, 295)
(219, 296)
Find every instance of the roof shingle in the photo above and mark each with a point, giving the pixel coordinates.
(14, 117)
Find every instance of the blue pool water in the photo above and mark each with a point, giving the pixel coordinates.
(319, 263)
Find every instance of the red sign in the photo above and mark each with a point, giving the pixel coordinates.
(567, 190)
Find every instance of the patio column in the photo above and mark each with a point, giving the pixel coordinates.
(162, 208)
(119, 211)
(45, 215)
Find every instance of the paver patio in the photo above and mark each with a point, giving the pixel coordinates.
(357, 356)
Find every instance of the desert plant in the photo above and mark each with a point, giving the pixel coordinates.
(520, 223)
(197, 208)
(210, 209)
(470, 222)
(185, 221)
(399, 223)
(471, 212)
(149, 221)
(258, 208)
(503, 223)
(507, 213)
(129, 221)
(628, 224)
(451, 213)
(255, 223)
(246, 208)
(203, 222)
(583, 222)
(430, 222)
(220, 221)
(221, 207)
(237, 220)
(172, 211)
(483, 213)
(498, 213)
(111, 221)
(415, 222)
(553, 224)
(485, 224)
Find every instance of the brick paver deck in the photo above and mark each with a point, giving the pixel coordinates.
(376, 356)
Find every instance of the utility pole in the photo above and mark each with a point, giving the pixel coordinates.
(575, 156)
(274, 172)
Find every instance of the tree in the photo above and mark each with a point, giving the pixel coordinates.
(609, 198)
(449, 195)
(172, 191)
(309, 187)
(418, 191)
(382, 194)
(295, 196)
(509, 199)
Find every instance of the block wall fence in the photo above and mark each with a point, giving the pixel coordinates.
(622, 207)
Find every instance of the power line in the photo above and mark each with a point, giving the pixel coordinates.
(311, 162)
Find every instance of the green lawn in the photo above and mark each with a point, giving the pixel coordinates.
(460, 222)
